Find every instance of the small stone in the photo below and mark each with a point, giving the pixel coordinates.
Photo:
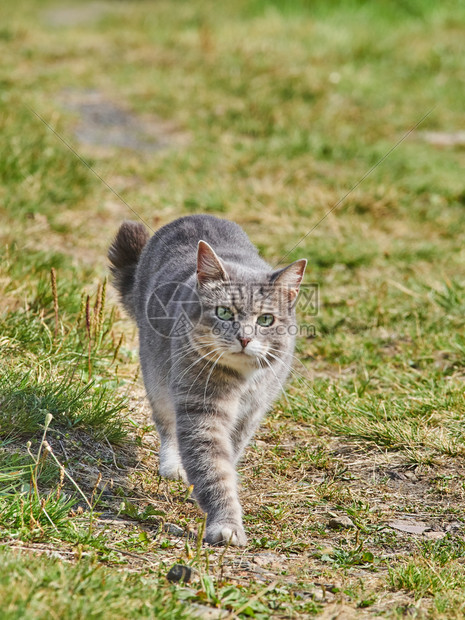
(434, 535)
(175, 530)
(338, 523)
(265, 559)
(409, 526)
(99, 483)
(202, 612)
(179, 572)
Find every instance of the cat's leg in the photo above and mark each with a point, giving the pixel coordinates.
(245, 427)
(165, 421)
(170, 460)
(207, 455)
(253, 405)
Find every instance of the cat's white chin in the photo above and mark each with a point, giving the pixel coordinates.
(241, 362)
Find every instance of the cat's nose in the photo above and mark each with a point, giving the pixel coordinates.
(244, 341)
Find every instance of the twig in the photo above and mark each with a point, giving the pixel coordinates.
(132, 555)
(89, 335)
(48, 449)
(113, 455)
(53, 278)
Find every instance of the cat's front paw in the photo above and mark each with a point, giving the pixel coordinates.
(173, 472)
(226, 533)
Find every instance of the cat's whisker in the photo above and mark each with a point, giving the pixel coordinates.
(183, 354)
(210, 374)
(180, 351)
(280, 359)
(198, 361)
(180, 355)
(292, 355)
(277, 379)
(299, 376)
(291, 370)
(201, 371)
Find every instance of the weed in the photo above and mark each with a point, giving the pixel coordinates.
(27, 399)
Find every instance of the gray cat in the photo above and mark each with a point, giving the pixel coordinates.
(216, 330)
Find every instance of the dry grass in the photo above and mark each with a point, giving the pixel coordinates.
(266, 113)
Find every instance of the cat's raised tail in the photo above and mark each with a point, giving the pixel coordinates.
(124, 254)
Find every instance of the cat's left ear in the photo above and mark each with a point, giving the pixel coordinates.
(290, 278)
(209, 266)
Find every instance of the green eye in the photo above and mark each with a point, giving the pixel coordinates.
(265, 320)
(225, 314)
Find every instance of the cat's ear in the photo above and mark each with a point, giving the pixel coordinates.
(209, 266)
(290, 278)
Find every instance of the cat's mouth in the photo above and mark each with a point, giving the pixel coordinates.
(244, 353)
(241, 361)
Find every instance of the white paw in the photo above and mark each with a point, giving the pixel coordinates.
(173, 472)
(226, 534)
(170, 464)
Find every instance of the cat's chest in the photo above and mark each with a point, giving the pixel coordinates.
(255, 390)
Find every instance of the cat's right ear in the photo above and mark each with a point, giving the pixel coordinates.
(209, 266)
(290, 278)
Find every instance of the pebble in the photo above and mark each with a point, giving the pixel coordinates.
(173, 529)
(268, 559)
(202, 612)
(179, 572)
(434, 535)
(409, 525)
(337, 523)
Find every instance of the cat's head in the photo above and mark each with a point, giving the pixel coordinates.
(248, 316)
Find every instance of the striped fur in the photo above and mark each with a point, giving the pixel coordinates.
(210, 385)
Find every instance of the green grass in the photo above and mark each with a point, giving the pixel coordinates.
(26, 402)
(59, 365)
(436, 573)
(273, 112)
(38, 587)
